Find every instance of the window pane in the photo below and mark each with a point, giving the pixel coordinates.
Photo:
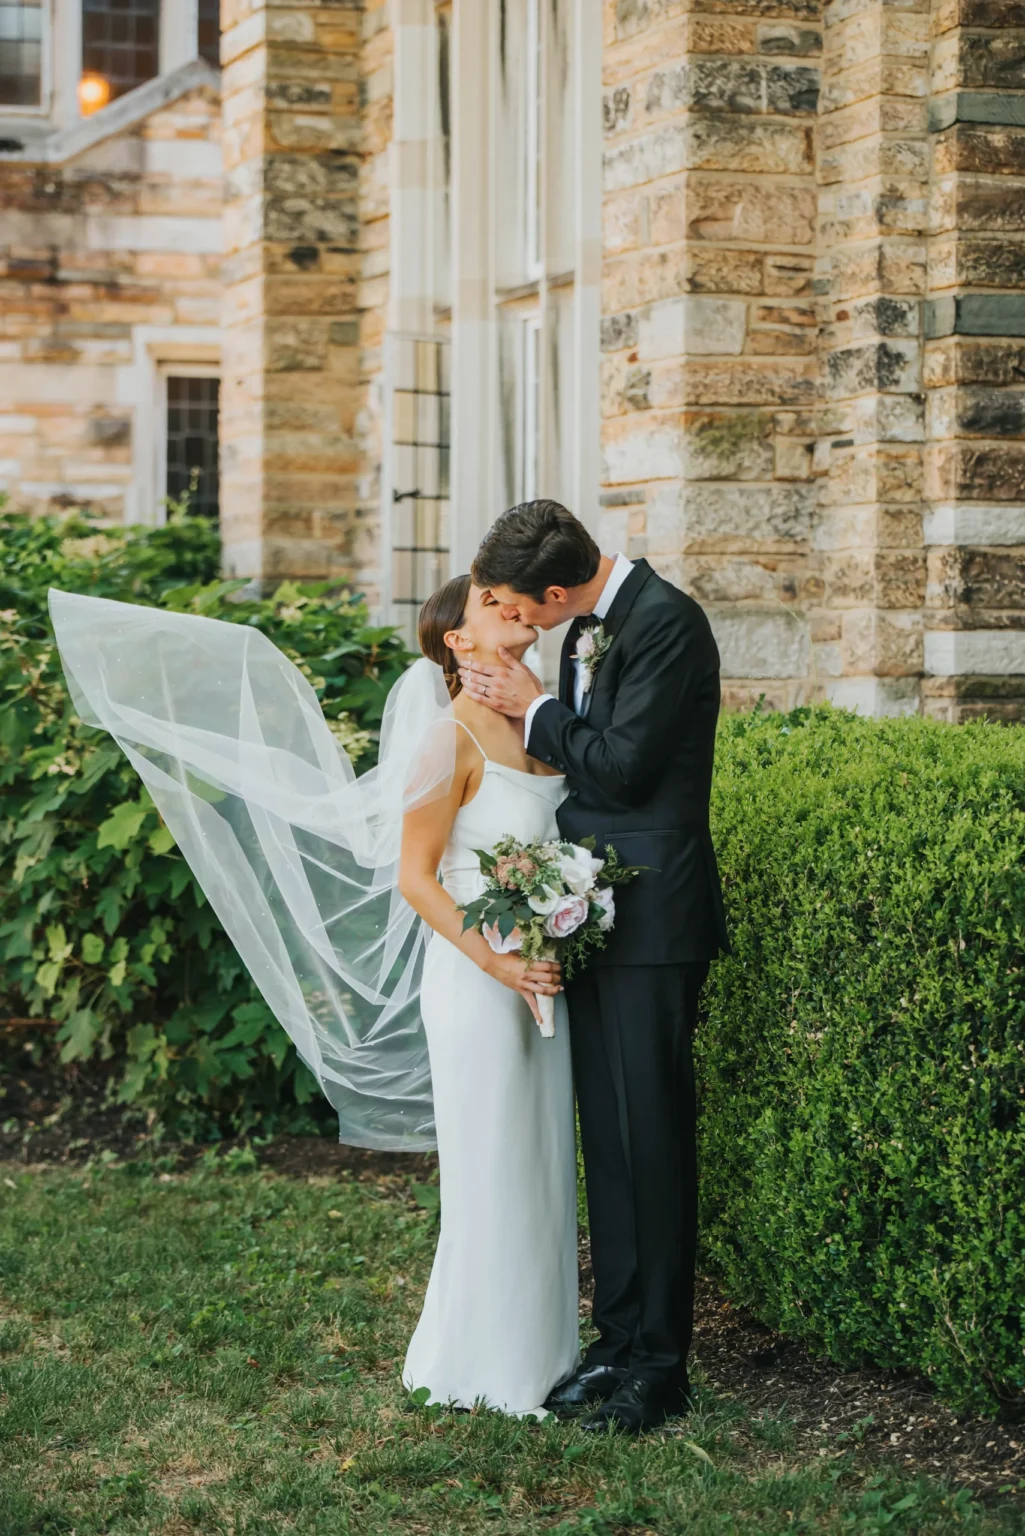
(420, 511)
(209, 32)
(192, 442)
(119, 42)
(21, 29)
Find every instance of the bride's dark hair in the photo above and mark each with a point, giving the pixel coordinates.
(444, 610)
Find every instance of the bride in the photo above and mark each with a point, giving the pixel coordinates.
(343, 897)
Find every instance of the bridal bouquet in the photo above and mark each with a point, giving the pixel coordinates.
(551, 901)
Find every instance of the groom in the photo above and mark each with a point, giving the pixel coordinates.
(633, 729)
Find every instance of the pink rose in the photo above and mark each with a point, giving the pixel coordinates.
(502, 946)
(566, 917)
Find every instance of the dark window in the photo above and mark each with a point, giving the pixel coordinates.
(21, 53)
(192, 442)
(420, 490)
(209, 33)
(120, 42)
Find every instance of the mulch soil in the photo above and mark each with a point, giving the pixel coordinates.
(890, 1416)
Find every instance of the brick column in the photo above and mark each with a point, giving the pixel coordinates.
(874, 172)
(708, 332)
(290, 369)
(975, 365)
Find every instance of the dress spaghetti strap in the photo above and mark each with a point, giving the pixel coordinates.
(473, 738)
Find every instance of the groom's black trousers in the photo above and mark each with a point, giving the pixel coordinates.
(631, 1029)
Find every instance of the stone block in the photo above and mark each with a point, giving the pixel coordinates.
(750, 381)
(988, 61)
(642, 448)
(692, 325)
(787, 276)
(642, 277)
(988, 151)
(979, 261)
(770, 148)
(978, 412)
(751, 211)
(618, 332)
(760, 642)
(780, 343)
(964, 470)
(891, 365)
(729, 581)
(884, 315)
(744, 516)
(974, 523)
(992, 652)
(775, 37)
(731, 445)
(714, 270)
(976, 314)
(793, 459)
(647, 158)
(886, 644)
(875, 697)
(957, 361)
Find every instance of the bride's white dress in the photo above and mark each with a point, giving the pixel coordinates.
(500, 1319)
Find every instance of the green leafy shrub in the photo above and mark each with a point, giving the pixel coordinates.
(103, 930)
(863, 1065)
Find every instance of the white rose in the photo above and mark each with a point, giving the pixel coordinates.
(498, 944)
(578, 870)
(607, 901)
(545, 902)
(585, 645)
(566, 917)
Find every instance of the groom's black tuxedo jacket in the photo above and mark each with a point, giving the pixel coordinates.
(639, 765)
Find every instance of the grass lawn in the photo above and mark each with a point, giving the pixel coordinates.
(219, 1351)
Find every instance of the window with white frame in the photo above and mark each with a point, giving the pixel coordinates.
(120, 46)
(495, 222)
(191, 446)
(418, 388)
(532, 173)
(21, 53)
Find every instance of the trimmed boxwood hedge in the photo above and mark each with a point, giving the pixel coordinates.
(862, 1065)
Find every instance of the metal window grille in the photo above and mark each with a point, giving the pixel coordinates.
(192, 441)
(209, 32)
(120, 41)
(21, 53)
(420, 436)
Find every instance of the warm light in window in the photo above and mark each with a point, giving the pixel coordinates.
(93, 93)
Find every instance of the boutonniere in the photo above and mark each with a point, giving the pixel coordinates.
(592, 648)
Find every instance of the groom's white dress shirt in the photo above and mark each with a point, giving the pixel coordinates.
(618, 574)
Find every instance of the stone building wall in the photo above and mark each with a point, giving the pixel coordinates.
(710, 375)
(812, 326)
(974, 364)
(100, 254)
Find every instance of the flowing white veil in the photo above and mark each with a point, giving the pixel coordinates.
(297, 856)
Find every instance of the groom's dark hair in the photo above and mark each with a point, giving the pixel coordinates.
(534, 546)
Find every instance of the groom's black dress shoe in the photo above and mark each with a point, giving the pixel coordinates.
(589, 1384)
(638, 1405)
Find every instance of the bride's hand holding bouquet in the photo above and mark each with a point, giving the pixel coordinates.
(544, 902)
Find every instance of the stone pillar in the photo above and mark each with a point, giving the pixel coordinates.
(710, 378)
(975, 365)
(290, 369)
(874, 174)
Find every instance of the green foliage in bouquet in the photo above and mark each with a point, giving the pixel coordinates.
(862, 1067)
(108, 946)
(525, 882)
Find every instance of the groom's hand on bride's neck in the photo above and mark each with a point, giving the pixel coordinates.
(509, 688)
